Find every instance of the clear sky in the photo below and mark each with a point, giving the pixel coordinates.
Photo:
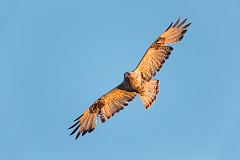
(57, 57)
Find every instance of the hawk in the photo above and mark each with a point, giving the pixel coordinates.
(138, 82)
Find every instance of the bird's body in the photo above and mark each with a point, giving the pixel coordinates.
(133, 81)
(138, 82)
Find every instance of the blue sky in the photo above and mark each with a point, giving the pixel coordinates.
(57, 57)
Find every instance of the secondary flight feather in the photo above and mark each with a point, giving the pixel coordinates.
(137, 82)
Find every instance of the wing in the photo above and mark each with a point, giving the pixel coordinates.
(160, 50)
(106, 106)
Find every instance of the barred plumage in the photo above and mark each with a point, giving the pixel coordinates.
(160, 50)
(136, 82)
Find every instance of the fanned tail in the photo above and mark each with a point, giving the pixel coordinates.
(148, 97)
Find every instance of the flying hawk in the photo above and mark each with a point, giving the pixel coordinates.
(136, 82)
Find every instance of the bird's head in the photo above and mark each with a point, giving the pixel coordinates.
(127, 75)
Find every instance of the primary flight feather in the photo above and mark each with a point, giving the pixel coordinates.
(136, 82)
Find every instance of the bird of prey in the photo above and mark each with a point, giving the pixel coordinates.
(138, 82)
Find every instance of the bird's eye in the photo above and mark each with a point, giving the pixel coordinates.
(126, 74)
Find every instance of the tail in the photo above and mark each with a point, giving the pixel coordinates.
(148, 97)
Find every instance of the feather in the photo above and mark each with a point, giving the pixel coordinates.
(176, 23)
(119, 97)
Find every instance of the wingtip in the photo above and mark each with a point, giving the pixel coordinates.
(169, 27)
(187, 25)
(73, 125)
(180, 24)
(77, 135)
(75, 130)
(78, 118)
(90, 130)
(184, 31)
(176, 23)
(84, 132)
(72, 133)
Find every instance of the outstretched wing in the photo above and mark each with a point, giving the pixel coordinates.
(106, 106)
(160, 50)
(115, 101)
